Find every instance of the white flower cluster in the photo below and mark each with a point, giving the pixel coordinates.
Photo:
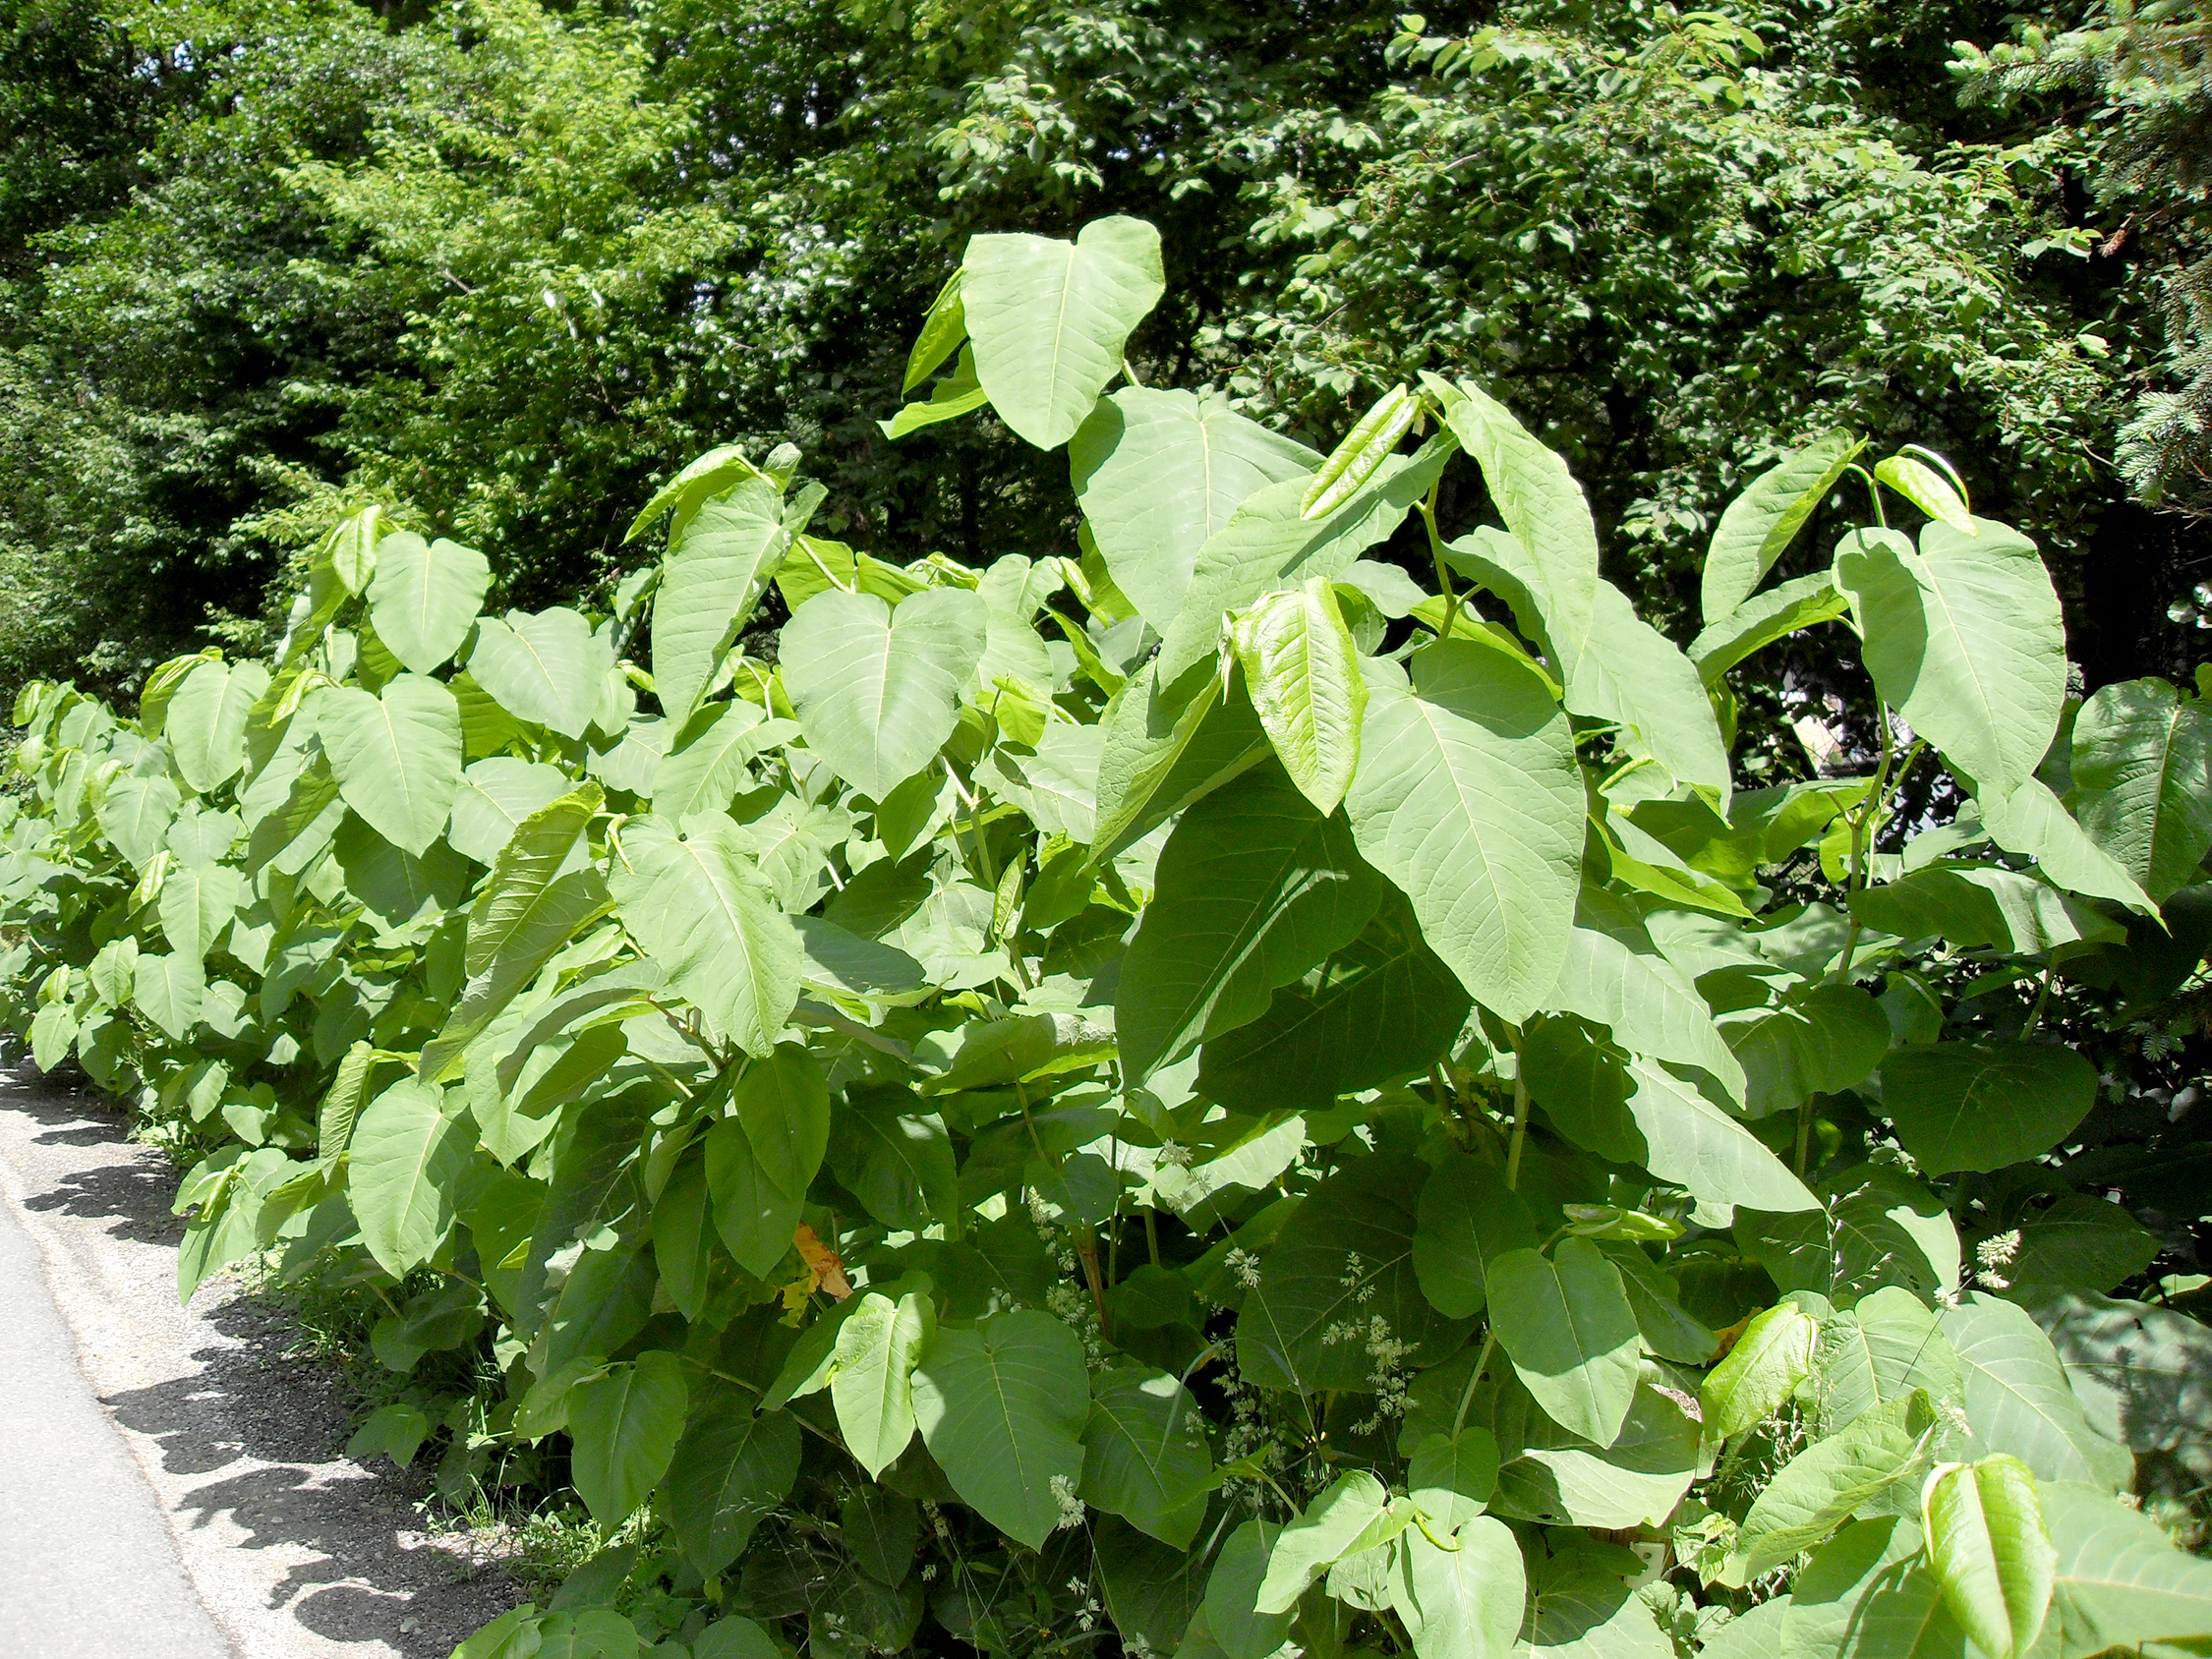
(1086, 1613)
(1991, 1256)
(1070, 1505)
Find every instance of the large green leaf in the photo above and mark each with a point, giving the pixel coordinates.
(1823, 1041)
(680, 494)
(1144, 1452)
(2119, 1582)
(1627, 672)
(1759, 523)
(721, 558)
(900, 1164)
(197, 904)
(1867, 1594)
(1464, 1602)
(547, 668)
(1303, 675)
(1469, 798)
(397, 756)
(1469, 1217)
(1989, 1553)
(169, 988)
(711, 921)
(205, 721)
(1049, 318)
(1820, 1488)
(706, 760)
(1382, 1007)
(1581, 1606)
(1230, 1616)
(425, 597)
(1352, 1513)
(495, 798)
(1544, 509)
(1964, 640)
(1882, 1348)
(1560, 1479)
(2018, 1401)
(1649, 1004)
(1689, 1142)
(1345, 1257)
(1882, 1228)
(135, 814)
(1451, 1477)
(1981, 904)
(625, 1424)
(1566, 1324)
(409, 1147)
(2142, 781)
(2033, 822)
(1151, 1589)
(53, 1034)
(1001, 1405)
(1055, 780)
(1253, 888)
(877, 691)
(783, 1101)
(2144, 1373)
(396, 887)
(1158, 473)
(730, 1472)
(871, 1375)
(754, 1215)
(1981, 1106)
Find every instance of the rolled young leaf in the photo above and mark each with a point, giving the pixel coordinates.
(1992, 1558)
(1353, 461)
(1773, 1354)
(1303, 675)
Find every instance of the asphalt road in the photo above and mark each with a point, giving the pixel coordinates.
(93, 1571)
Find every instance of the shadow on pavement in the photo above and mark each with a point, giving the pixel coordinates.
(256, 1434)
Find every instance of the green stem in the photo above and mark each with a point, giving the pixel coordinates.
(1864, 822)
(1022, 1099)
(1520, 1125)
(2042, 997)
(1467, 1396)
(1153, 1234)
(1804, 1134)
(1437, 551)
(1874, 492)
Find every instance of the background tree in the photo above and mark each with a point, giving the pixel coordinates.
(509, 264)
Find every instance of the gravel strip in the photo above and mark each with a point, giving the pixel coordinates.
(293, 1550)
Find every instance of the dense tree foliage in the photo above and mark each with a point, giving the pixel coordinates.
(502, 267)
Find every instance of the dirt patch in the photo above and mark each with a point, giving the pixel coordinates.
(295, 1550)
